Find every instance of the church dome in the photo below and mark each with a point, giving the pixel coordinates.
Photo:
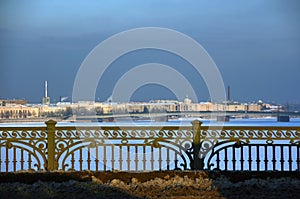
(187, 100)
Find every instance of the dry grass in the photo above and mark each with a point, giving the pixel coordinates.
(166, 184)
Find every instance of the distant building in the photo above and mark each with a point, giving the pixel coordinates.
(13, 102)
(18, 112)
(17, 109)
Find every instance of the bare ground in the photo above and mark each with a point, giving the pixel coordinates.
(166, 184)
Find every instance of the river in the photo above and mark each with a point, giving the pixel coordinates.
(271, 121)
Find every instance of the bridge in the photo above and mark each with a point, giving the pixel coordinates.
(164, 116)
(153, 116)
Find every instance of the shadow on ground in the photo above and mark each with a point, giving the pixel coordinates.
(167, 184)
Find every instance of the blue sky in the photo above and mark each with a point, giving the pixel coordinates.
(255, 44)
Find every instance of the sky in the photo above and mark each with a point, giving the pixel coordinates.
(255, 45)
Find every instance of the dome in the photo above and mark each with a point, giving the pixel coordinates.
(187, 100)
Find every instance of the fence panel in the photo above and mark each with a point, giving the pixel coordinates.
(250, 148)
(125, 148)
(23, 148)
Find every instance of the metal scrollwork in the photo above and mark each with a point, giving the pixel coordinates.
(179, 140)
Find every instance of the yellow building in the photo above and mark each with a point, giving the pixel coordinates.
(254, 107)
(18, 112)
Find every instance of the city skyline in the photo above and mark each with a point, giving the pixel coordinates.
(47, 100)
(255, 45)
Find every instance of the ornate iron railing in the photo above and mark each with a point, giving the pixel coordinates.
(141, 148)
(250, 147)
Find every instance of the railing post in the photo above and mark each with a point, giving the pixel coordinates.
(198, 163)
(51, 165)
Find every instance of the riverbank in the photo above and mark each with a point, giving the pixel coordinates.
(167, 184)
